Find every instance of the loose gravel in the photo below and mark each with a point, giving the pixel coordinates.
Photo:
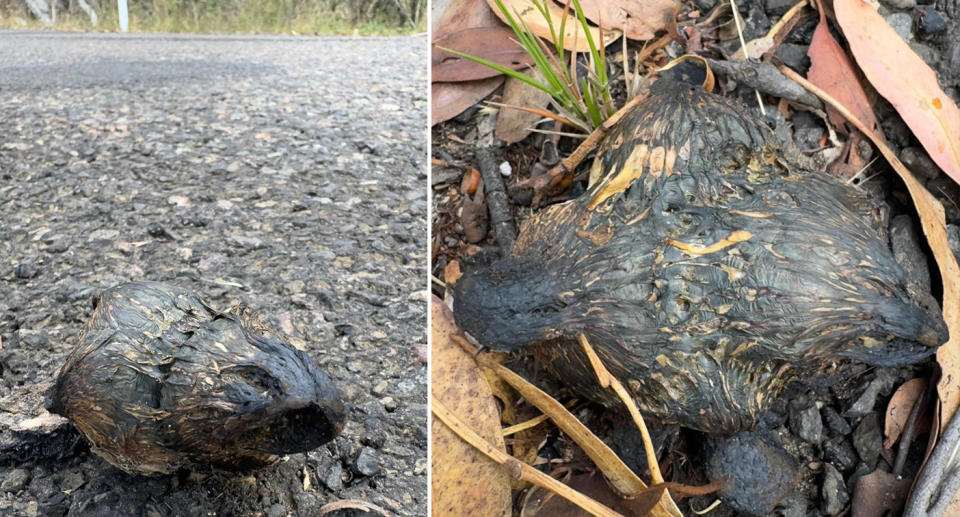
(288, 173)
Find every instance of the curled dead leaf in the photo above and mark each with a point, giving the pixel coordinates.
(639, 19)
(879, 492)
(898, 411)
(573, 36)
(458, 383)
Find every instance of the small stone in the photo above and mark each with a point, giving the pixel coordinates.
(294, 287)
(835, 422)
(368, 462)
(26, 270)
(919, 162)
(334, 477)
(71, 481)
(794, 56)
(929, 21)
(868, 399)
(16, 480)
(778, 7)
(868, 440)
(840, 453)
(242, 241)
(224, 204)
(234, 166)
(389, 404)
(307, 503)
(833, 492)
(806, 424)
(276, 510)
(185, 253)
(901, 24)
(900, 4)
(58, 245)
(380, 388)
(506, 169)
(762, 472)
(181, 201)
(953, 239)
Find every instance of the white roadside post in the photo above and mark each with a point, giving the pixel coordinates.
(123, 15)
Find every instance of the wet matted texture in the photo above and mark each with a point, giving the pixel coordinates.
(287, 173)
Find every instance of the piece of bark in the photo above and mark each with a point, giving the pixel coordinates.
(514, 125)
(766, 78)
(498, 203)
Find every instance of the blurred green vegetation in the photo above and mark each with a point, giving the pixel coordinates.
(358, 17)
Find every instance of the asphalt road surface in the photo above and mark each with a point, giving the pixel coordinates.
(284, 172)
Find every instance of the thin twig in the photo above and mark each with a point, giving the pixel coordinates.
(910, 428)
(607, 380)
(517, 469)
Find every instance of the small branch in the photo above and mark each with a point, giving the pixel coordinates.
(766, 78)
(498, 204)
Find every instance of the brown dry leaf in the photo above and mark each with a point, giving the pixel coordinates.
(514, 125)
(878, 492)
(542, 503)
(898, 410)
(494, 44)
(934, 228)
(447, 100)
(831, 70)
(905, 80)
(452, 273)
(573, 39)
(463, 14)
(641, 19)
(473, 217)
(464, 481)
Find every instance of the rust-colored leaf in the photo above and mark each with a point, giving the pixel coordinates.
(641, 19)
(447, 100)
(464, 482)
(831, 70)
(452, 273)
(879, 492)
(470, 182)
(905, 80)
(541, 503)
(494, 44)
(573, 36)
(898, 410)
(462, 14)
(514, 125)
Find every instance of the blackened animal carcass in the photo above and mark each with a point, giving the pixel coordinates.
(706, 270)
(160, 380)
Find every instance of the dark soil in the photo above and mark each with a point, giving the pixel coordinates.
(828, 424)
(286, 173)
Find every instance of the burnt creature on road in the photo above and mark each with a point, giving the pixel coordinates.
(707, 271)
(160, 380)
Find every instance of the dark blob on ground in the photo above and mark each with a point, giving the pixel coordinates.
(707, 271)
(160, 380)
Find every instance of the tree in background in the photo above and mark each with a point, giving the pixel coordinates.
(230, 15)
